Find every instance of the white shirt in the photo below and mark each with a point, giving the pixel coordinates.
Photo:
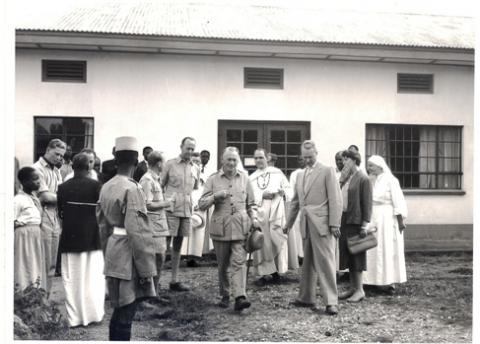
(25, 210)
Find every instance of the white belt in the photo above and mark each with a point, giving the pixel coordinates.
(119, 231)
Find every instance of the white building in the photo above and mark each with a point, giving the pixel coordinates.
(397, 85)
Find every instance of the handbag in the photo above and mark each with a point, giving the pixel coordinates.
(356, 244)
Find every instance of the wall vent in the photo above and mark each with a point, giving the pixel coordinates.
(64, 71)
(414, 83)
(263, 78)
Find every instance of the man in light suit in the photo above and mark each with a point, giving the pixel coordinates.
(318, 199)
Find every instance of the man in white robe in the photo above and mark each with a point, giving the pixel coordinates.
(269, 186)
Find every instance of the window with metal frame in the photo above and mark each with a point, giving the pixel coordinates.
(77, 132)
(263, 78)
(64, 71)
(420, 156)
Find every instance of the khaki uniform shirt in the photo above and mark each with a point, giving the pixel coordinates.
(122, 204)
(152, 189)
(231, 219)
(179, 179)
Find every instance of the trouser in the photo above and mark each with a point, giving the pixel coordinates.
(318, 265)
(231, 254)
(50, 238)
(121, 322)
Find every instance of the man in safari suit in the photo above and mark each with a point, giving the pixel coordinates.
(318, 199)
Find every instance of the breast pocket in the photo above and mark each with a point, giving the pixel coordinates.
(175, 179)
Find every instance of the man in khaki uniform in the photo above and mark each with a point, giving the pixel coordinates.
(235, 211)
(50, 178)
(127, 240)
(179, 178)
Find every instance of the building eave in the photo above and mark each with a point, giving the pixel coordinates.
(85, 41)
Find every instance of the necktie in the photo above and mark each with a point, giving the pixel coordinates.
(306, 178)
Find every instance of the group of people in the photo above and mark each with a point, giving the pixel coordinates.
(117, 224)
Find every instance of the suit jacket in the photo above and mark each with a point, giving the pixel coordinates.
(320, 201)
(359, 208)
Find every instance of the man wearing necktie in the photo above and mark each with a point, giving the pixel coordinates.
(318, 199)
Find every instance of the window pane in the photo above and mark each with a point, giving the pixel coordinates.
(426, 165)
(449, 150)
(280, 163)
(449, 134)
(449, 165)
(427, 149)
(294, 136)
(250, 135)
(449, 182)
(234, 135)
(427, 181)
(292, 163)
(249, 148)
(51, 126)
(277, 135)
(76, 126)
(238, 145)
(278, 148)
(293, 149)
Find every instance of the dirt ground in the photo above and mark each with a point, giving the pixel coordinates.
(435, 305)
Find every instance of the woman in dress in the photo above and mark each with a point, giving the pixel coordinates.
(356, 216)
(386, 262)
(29, 260)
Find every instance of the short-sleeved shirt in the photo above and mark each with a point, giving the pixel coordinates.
(122, 204)
(150, 183)
(27, 209)
(231, 216)
(50, 176)
(179, 178)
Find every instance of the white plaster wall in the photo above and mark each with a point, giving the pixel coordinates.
(162, 98)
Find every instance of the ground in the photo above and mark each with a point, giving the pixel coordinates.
(435, 305)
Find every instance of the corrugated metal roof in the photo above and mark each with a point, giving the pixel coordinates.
(254, 22)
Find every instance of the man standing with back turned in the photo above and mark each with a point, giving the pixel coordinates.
(127, 240)
(317, 197)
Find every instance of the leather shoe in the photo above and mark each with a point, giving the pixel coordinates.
(192, 263)
(298, 303)
(178, 286)
(261, 282)
(241, 303)
(331, 310)
(225, 303)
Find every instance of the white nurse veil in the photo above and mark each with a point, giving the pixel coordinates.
(379, 161)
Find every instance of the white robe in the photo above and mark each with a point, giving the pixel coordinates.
(386, 262)
(273, 257)
(84, 283)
